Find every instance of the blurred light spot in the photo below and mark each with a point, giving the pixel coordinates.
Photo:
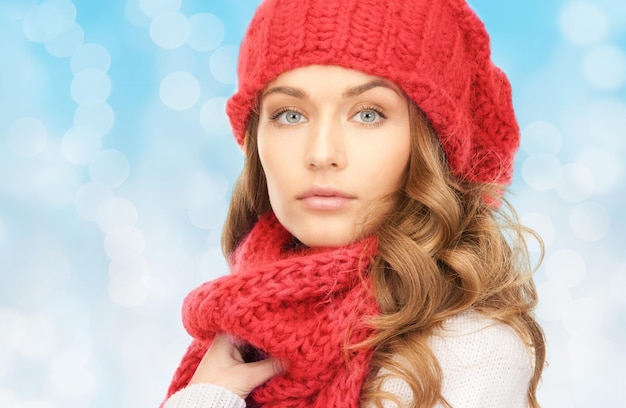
(153, 8)
(209, 216)
(33, 336)
(109, 167)
(129, 281)
(90, 56)
(48, 20)
(590, 221)
(57, 183)
(587, 314)
(223, 64)
(542, 171)
(617, 285)
(115, 214)
(540, 138)
(89, 198)
(605, 167)
(179, 90)
(543, 225)
(80, 145)
(213, 118)
(576, 183)
(566, 268)
(99, 117)
(135, 15)
(64, 44)
(169, 30)
(606, 122)
(204, 189)
(605, 67)
(69, 376)
(125, 242)
(16, 10)
(206, 32)
(27, 137)
(90, 86)
(582, 23)
(554, 302)
(584, 362)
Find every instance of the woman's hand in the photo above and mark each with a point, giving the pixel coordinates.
(223, 365)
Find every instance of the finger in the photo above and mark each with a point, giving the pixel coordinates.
(259, 372)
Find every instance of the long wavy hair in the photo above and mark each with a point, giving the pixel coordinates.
(448, 246)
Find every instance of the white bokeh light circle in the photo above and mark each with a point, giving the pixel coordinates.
(170, 30)
(554, 302)
(90, 56)
(99, 117)
(57, 182)
(576, 183)
(617, 285)
(90, 86)
(49, 19)
(566, 268)
(153, 8)
(542, 224)
(605, 67)
(206, 32)
(125, 242)
(80, 145)
(116, 213)
(590, 221)
(223, 64)
(27, 137)
(203, 189)
(583, 23)
(67, 42)
(606, 122)
(213, 118)
(179, 90)
(542, 171)
(129, 281)
(89, 198)
(209, 216)
(109, 167)
(69, 376)
(605, 167)
(541, 138)
(34, 336)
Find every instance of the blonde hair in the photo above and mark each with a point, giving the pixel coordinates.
(443, 250)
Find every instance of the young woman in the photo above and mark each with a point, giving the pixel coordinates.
(374, 260)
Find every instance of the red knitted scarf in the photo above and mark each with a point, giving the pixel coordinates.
(300, 305)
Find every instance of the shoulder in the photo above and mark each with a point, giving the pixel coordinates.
(484, 362)
(471, 339)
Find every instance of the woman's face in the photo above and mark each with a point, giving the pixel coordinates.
(331, 142)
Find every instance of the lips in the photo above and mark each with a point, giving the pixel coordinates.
(325, 198)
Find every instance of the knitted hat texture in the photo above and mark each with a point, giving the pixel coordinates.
(303, 306)
(437, 51)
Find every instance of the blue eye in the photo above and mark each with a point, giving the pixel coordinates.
(368, 116)
(289, 117)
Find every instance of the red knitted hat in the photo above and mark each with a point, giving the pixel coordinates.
(437, 51)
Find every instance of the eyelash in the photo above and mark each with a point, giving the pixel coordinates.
(274, 116)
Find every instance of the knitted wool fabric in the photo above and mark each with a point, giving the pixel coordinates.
(437, 51)
(303, 306)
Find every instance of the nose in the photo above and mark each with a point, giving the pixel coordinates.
(326, 147)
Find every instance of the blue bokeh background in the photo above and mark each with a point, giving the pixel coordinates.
(116, 163)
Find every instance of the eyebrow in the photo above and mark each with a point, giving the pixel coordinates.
(348, 93)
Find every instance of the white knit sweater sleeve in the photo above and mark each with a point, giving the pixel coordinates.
(204, 396)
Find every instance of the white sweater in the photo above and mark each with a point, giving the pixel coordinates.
(484, 364)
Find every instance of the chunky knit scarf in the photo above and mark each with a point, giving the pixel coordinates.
(298, 304)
